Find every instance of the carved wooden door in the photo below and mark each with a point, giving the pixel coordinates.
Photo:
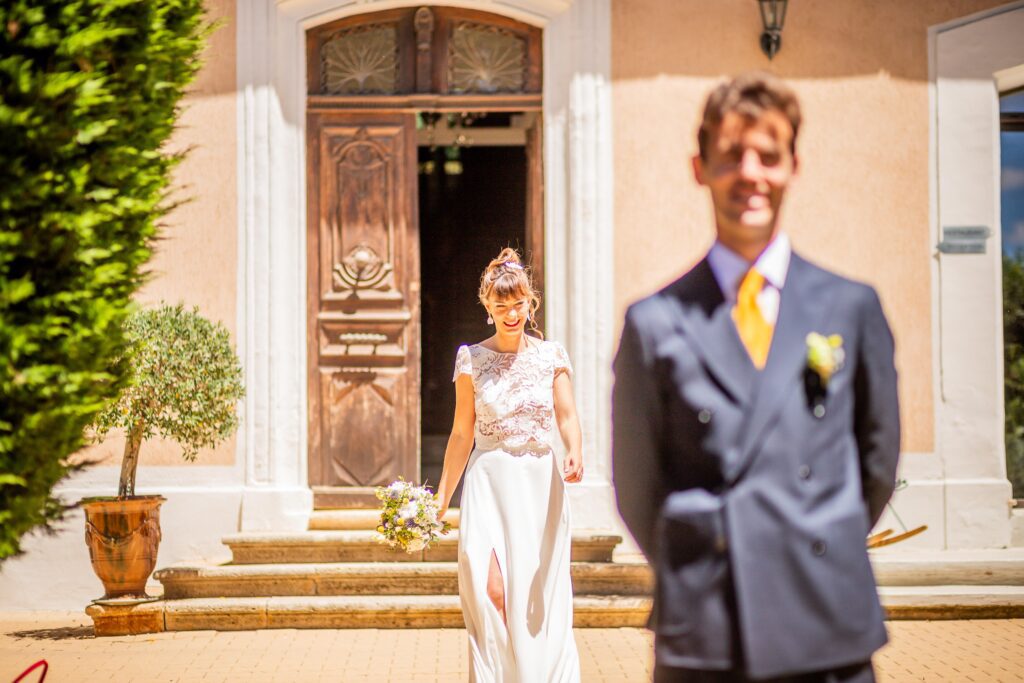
(367, 76)
(363, 304)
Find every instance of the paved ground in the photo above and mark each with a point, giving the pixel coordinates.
(982, 651)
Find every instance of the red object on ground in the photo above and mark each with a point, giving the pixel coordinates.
(26, 672)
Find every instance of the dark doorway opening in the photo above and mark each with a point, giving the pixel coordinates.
(472, 202)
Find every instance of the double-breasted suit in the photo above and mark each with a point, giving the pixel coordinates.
(752, 491)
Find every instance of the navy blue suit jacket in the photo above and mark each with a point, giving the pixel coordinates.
(752, 492)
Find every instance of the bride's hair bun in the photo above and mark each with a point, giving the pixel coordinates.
(507, 278)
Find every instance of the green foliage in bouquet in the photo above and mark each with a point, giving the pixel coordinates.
(186, 382)
(89, 91)
(1013, 368)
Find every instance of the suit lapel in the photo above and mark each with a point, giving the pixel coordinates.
(800, 310)
(707, 324)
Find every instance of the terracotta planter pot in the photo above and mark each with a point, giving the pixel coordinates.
(123, 536)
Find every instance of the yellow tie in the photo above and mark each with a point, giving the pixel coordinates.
(754, 330)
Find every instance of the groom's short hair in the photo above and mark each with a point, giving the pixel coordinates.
(749, 95)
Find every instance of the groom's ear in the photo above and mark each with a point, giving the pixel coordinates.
(698, 169)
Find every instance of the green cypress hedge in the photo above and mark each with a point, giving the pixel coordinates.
(89, 92)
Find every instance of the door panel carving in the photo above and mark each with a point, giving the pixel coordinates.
(363, 303)
(362, 224)
(353, 400)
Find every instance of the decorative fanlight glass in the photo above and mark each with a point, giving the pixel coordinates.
(363, 60)
(486, 59)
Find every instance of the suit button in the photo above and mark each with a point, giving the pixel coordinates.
(818, 548)
(804, 472)
(704, 416)
(819, 411)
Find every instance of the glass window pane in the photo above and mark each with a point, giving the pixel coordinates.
(1011, 141)
(1012, 190)
(1012, 102)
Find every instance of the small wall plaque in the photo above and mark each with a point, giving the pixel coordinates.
(964, 239)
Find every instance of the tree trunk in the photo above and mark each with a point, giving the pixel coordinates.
(130, 461)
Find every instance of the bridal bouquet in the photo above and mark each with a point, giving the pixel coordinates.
(409, 516)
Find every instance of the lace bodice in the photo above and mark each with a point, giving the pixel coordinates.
(513, 394)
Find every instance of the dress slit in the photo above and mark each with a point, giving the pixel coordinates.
(495, 565)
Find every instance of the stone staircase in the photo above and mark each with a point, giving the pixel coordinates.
(337, 575)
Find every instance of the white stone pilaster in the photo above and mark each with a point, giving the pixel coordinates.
(578, 228)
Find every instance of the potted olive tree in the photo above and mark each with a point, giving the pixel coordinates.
(185, 386)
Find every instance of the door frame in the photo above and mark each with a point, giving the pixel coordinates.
(422, 81)
(578, 239)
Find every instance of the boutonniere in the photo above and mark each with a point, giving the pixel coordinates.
(825, 355)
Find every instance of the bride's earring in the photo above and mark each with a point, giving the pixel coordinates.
(490, 320)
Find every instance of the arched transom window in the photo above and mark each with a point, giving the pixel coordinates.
(438, 51)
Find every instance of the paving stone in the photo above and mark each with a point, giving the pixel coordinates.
(988, 651)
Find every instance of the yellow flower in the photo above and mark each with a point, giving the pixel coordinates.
(825, 355)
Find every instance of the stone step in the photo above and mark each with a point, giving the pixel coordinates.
(995, 568)
(372, 578)
(355, 520)
(348, 611)
(363, 546)
(443, 611)
(1004, 567)
(952, 602)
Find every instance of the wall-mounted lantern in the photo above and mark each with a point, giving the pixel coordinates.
(773, 16)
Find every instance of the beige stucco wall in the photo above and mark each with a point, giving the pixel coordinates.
(195, 261)
(860, 205)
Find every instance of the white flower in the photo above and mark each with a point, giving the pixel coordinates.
(409, 510)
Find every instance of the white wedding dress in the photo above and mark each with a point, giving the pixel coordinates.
(514, 505)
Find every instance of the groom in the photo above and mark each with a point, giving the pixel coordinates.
(756, 428)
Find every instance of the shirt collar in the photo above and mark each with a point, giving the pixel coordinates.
(729, 267)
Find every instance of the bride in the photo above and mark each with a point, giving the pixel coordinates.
(514, 541)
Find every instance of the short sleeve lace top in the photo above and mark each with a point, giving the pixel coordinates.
(513, 393)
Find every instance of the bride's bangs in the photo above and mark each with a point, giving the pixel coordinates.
(510, 286)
